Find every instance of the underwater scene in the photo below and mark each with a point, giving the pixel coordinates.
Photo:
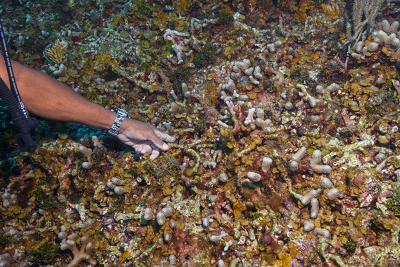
(269, 133)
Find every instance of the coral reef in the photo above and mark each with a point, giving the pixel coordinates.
(287, 127)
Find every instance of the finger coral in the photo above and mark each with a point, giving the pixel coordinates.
(79, 255)
(315, 163)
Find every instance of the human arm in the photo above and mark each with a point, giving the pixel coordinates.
(51, 99)
(46, 97)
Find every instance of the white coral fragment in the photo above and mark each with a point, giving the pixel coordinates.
(206, 221)
(209, 164)
(255, 177)
(117, 181)
(61, 72)
(332, 194)
(161, 218)
(249, 71)
(85, 151)
(373, 47)
(244, 64)
(111, 185)
(119, 190)
(174, 96)
(96, 141)
(397, 173)
(9, 199)
(322, 232)
(307, 198)
(266, 164)
(223, 177)
(223, 124)
(87, 165)
(171, 59)
(293, 166)
(254, 81)
(172, 223)
(333, 87)
(260, 113)
(249, 118)
(314, 208)
(79, 255)
(265, 125)
(230, 86)
(172, 259)
(168, 211)
(116, 184)
(174, 108)
(315, 163)
(215, 238)
(308, 226)
(221, 263)
(271, 48)
(299, 154)
(312, 101)
(320, 89)
(243, 97)
(325, 182)
(257, 73)
(288, 106)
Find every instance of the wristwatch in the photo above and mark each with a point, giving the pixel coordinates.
(121, 115)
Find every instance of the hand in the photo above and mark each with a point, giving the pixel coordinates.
(143, 137)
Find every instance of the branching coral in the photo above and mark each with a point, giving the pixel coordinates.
(79, 255)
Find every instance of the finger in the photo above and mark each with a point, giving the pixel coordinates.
(128, 141)
(135, 143)
(145, 150)
(154, 154)
(142, 149)
(164, 136)
(157, 141)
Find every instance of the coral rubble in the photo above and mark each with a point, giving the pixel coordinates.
(287, 127)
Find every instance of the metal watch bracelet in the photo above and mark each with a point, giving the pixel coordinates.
(121, 115)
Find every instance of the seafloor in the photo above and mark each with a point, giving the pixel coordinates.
(287, 142)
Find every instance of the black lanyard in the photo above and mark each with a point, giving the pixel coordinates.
(10, 71)
(20, 119)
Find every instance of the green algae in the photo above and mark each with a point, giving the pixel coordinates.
(393, 203)
(225, 18)
(205, 57)
(44, 254)
(42, 199)
(4, 240)
(371, 110)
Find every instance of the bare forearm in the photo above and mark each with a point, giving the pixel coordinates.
(51, 99)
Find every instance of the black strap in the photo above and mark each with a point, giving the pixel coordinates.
(13, 84)
(20, 119)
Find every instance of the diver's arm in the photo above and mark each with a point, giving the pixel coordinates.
(51, 99)
(48, 98)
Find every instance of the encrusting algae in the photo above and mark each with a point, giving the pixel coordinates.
(287, 127)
